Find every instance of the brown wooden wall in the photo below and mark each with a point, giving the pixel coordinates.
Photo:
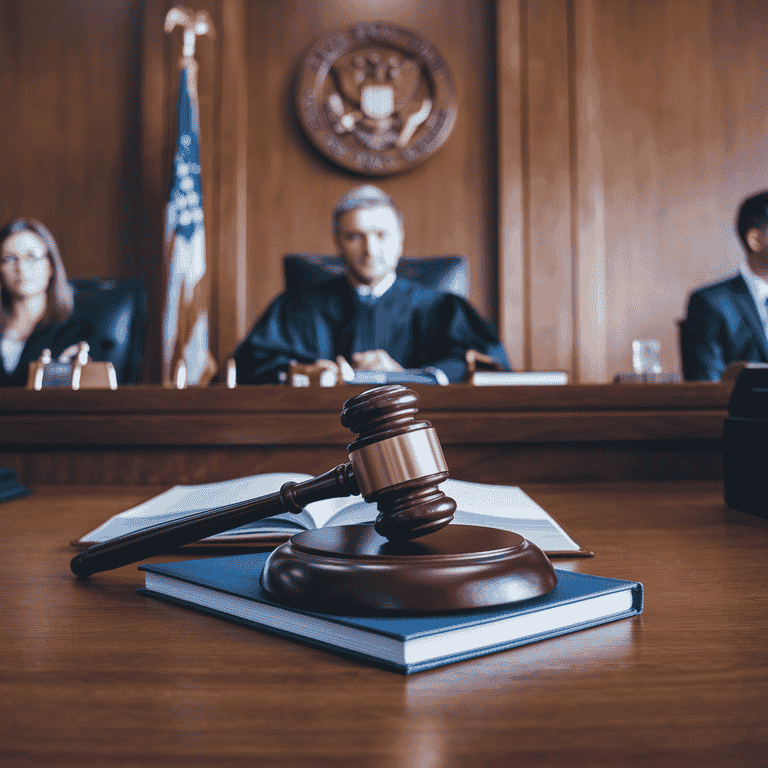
(591, 180)
(69, 131)
(629, 132)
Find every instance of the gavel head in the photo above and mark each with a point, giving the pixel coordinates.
(398, 462)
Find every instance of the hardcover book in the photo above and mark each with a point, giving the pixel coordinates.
(10, 488)
(230, 588)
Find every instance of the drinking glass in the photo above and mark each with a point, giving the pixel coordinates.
(645, 357)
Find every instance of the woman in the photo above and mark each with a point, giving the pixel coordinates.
(36, 301)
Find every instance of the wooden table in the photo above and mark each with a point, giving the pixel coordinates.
(153, 435)
(95, 674)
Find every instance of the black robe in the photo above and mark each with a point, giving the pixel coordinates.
(56, 338)
(416, 326)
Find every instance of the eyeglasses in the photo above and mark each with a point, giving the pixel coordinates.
(13, 259)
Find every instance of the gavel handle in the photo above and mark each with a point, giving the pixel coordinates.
(292, 497)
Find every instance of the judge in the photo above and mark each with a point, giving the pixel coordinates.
(369, 318)
(727, 321)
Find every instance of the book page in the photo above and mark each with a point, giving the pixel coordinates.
(315, 515)
(491, 506)
(184, 500)
(510, 508)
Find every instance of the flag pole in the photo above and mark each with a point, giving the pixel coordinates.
(186, 353)
(193, 23)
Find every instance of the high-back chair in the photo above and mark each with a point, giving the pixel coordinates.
(445, 273)
(118, 309)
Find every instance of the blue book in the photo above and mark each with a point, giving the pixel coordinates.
(10, 488)
(230, 588)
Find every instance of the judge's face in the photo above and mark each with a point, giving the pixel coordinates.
(25, 268)
(371, 242)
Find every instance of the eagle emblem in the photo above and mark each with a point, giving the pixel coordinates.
(375, 98)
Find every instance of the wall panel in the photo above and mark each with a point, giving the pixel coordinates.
(684, 139)
(601, 149)
(664, 135)
(69, 78)
(550, 287)
(448, 201)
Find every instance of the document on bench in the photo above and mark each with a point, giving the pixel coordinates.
(494, 506)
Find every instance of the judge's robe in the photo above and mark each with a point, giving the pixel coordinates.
(418, 327)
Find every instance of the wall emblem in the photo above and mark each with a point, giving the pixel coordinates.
(375, 98)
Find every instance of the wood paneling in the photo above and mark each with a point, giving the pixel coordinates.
(69, 78)
(664, 136)
(589, 249)
(156, 435)
(550, 284)
(448, 201)
(512, 159)
(684, 140)
(591, 181)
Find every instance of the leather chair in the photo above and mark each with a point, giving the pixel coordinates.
(118, 309)
(444, 273)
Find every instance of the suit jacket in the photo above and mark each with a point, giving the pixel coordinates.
(722, 327)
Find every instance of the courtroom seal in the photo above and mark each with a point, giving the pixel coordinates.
(375, 98)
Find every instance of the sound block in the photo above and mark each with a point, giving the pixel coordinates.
(351, 568)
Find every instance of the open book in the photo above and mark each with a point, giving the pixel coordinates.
(494, 506)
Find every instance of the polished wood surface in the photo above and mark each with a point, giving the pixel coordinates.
(455, 568)
(147, 435)
(95, 674)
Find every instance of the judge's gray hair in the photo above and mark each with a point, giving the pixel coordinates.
(366, 196)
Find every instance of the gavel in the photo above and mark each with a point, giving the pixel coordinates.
(395, 461)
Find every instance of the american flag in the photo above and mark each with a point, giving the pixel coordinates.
(185, 315)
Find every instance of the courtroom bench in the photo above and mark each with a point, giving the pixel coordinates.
(159, 435)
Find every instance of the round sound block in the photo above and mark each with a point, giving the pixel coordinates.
(352, 569)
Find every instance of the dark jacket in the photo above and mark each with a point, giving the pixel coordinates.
(722, 327)
(56, 338)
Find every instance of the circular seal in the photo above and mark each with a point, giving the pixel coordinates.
(375, 98)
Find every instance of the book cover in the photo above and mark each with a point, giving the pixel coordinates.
(495, 506)
(10, 488)
(230, 588)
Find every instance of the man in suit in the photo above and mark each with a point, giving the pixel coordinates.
(368, 319)
(727, 322)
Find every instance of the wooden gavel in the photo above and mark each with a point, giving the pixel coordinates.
(395, 462)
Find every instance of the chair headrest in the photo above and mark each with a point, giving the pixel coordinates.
(444, 273)
(117, 308)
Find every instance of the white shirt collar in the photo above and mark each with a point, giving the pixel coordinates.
(758, 288)
(380, 289)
